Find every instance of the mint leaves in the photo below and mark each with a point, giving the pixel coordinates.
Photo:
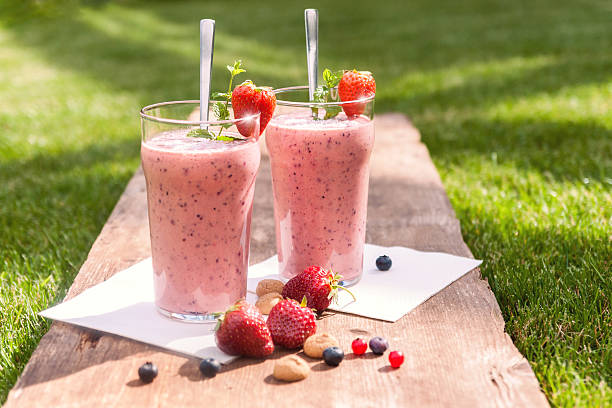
(202, 132)
(235, 70)
(332, 79)
(221, 111)
(326, 93)
(221, 108)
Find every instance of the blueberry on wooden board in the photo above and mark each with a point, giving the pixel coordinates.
(333, 356)
(209, 367)
(147, 372)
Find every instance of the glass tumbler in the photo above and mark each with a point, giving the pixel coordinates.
(200, 197)
(319, 157)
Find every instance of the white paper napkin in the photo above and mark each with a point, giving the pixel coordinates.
(414, 277)
(124, 304)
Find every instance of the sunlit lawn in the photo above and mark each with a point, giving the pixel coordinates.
(514, 101)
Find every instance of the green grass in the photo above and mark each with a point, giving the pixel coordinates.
(514, 101)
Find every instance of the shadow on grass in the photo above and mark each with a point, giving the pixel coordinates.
(151, 48)
(152, 52)
(159, 62)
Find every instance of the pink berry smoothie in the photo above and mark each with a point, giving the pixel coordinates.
(320, 174)
(200, 196)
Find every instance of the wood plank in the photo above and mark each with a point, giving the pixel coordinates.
(457, 353)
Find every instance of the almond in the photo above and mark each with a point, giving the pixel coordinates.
(266, 302)
(291, 368)
(269, 286)
(315, 344)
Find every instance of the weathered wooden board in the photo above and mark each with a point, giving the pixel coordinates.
(457, 353)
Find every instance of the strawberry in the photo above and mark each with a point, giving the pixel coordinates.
(291, 323)
(318, 285)
(248, 100)
(266, 106)
(242, 331)
(355, 85)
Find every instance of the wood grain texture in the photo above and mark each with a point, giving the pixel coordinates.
(457, 353)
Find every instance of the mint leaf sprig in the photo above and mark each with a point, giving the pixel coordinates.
(221, 109)
(326, 93)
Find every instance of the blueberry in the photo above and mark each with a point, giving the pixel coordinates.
(333, 356)
(210, 367)
(378, 345)
(383, 263)
(147, 372)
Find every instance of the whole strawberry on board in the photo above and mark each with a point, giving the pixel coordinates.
(318, 285)
(242, 331)
(291, 323)
(247, 100)
(355, 85)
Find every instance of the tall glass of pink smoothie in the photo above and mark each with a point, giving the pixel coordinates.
(320, 175)
(200, 196)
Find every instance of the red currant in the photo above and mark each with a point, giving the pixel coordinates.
(359, 346)
(396, 358)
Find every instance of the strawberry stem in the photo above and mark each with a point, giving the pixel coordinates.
(350, 293)
(335, 286)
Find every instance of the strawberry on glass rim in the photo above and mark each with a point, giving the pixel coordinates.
(247, 100)
(353, 86)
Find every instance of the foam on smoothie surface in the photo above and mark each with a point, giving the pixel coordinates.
(305, 121)
(178, 141)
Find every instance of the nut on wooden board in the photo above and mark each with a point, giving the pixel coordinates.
(266, 302)
(269, 286)
(291, 368)
(315, 344)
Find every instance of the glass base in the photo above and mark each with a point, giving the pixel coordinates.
(190, 318)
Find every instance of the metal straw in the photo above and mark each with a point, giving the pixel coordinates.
(311, 19)
(207, 45)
